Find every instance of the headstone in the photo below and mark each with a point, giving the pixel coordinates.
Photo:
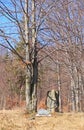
(43, 112)
(52, 100)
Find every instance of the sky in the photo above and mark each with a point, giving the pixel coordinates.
(6, 25)
(10, 28)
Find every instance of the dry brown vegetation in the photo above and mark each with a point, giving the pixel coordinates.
(18, 120)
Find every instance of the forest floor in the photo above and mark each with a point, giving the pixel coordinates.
(19, 120)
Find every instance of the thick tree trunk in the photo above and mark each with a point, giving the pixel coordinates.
(76, 90)
(28, 74)
(32, 71)
(34, 59)
(34, 92)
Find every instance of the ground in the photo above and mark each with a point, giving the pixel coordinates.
(19, 120)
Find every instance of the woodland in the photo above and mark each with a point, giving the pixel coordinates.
(41, 48)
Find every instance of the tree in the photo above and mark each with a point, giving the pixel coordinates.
(22, 9)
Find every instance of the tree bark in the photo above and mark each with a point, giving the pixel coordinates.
(59, 88)
(34, 58)
(28, 74)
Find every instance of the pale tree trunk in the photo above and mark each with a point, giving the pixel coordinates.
(80, 92)
(59, 87)
(75, 85)
(28, 75)
(72, 85)
(72, 95)
(77, 91)
(34, 92)
(32, 70)
(77, 88)
(34, 58)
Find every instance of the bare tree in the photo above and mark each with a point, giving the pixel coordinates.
(14, 14)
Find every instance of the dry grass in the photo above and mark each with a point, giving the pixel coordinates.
(18, 120)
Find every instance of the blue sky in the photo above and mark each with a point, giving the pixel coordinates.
(7, 26)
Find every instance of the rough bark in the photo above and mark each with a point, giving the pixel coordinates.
(28, 74)
(34, 59)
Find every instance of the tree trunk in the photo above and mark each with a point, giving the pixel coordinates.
(34, 92)
(75, 89)
(59, 87)
(32, 70)
(72, 95)
(28, 74)
(34, 58)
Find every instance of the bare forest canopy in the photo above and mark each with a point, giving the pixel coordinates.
(41, 48)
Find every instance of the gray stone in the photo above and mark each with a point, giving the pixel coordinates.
(43, 112)
(52, 100)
